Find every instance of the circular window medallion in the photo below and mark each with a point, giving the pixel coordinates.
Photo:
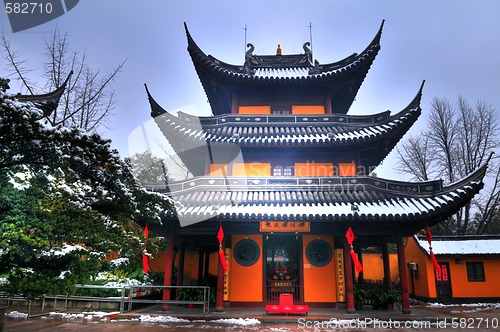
(319, 253)
(246, 252)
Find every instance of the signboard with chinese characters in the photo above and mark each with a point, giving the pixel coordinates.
(285, 226)
(339, 270)
(225, 296)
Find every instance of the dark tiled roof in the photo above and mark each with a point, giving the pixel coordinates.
(343, 78)
(322, 199)
(285, 67)
(461, 245)
(46, 102)
(329, 129)
(380, 131)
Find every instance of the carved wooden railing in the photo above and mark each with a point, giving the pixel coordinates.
(276, 287)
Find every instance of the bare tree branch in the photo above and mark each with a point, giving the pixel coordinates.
(16, 64)
(88, 100)
(459, 138)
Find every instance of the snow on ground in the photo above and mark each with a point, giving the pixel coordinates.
(84, 315)
(16, 314)
(466, 307)
(237, 321)
(162, 319)
(143, 318)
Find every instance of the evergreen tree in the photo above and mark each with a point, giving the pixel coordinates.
(67, 200)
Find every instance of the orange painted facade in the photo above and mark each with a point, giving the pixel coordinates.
(319, 282)
(309, 168)
(296, 109)
(254, 110)
(373, 267)
(219, 170)
(308, 109)
(251, 169)
(424, 279)
(424, 283)
(246, 281)
(314, 169)
(191, 263)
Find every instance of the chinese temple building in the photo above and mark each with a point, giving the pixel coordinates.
(283, 170)
(468, 266)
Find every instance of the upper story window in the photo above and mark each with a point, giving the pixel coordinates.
(281, 109)
(475, 271)
(282, 171)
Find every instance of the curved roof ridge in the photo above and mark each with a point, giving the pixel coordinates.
(374, 43)
(191, 43)
(156, 109)
(476, 176)
(414, 104)
(47, 102)
(437, 182)
(244, 69)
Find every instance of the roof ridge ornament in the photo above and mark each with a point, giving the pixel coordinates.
(4, 84)
(307, 48)
(278, 50)
(250, 50)
(248, 59)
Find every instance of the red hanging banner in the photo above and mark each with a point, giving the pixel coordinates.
(349, 235)
(145, 258)
(357, 263)
(428, 237)
(220, 234)
(222, 257)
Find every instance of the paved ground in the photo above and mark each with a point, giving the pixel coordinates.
(422, 318)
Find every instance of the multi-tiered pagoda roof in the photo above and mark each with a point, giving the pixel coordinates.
(376, 204)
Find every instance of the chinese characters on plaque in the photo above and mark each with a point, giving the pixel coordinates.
(339, 269)
(285, 226)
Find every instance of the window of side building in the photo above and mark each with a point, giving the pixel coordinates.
(475, 271)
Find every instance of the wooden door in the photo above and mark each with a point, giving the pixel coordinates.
(443, 283)
(282, 273)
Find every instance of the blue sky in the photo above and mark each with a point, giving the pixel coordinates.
(453, 45)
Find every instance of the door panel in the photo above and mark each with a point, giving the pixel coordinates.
(443, 283)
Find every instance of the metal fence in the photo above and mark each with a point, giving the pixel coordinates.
(128, 296)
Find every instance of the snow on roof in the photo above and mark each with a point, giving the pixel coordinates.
(467, 245)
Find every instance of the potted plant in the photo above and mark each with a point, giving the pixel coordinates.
(392, 297)
(376, 296)
(359, 297)
(194, 294)
(187, 294)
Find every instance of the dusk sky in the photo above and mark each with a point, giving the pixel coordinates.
(453, 45)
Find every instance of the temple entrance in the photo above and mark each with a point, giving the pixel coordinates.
(282, 274)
